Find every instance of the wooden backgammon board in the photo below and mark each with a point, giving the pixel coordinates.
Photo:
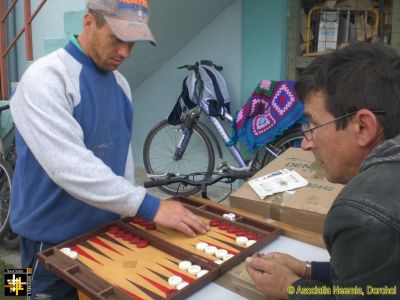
(135, 259)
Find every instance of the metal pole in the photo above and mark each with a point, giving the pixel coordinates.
(3, 59)
(346, 39)
(12, 62)
(37, 11)
(28, 30)
(10, 8)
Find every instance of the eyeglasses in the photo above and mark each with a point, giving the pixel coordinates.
(308, 132)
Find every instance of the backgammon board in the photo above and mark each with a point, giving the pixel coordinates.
(136, 259)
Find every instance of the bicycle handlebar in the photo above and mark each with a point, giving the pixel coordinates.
(4, 107)
(202, 62)
(185, 179)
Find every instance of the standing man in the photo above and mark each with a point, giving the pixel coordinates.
(74, 170)
(352, 101)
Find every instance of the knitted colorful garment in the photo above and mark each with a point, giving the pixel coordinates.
(272, 108)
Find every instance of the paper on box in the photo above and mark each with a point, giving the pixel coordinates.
(281, 181)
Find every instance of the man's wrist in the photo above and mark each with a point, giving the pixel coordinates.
(307, 274)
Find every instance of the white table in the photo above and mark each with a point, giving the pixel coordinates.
(287, 245)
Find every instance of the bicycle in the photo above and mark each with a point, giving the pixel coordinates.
(8, 238)
(189, 146)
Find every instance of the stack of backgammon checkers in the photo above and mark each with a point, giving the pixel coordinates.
(177, 282)
(244, 237)
(243, 240)
(221, 254)
(185, 265)
(230, 216)
(70, 253)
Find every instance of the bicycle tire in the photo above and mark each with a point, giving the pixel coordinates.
(158, 152)
(5, 196)
(11, 240)
(293, 139)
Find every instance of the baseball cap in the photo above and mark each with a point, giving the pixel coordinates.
(128, 19)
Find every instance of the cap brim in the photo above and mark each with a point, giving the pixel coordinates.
(130, 31)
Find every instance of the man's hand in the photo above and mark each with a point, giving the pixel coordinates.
(173, 214)
(270, 277)
(297, 266)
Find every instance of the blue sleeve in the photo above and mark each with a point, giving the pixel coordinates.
(321, 271)
(149, 207)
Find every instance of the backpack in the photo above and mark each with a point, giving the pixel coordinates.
(204, 83)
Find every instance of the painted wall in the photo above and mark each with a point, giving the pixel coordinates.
(264, 42)
(49, 23)
(221, 42)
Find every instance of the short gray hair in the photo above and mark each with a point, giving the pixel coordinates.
(98, 17)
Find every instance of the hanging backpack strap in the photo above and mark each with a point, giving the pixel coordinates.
(217, 90)
(182, 104)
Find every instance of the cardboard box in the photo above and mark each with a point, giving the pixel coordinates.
(306, 208)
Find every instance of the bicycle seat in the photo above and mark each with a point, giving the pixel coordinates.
(272, 108)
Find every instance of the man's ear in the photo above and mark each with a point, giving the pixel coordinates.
(88, 22)
(368, 130)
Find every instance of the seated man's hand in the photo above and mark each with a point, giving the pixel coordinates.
(270, 277)
(173, 214)
(297, 266)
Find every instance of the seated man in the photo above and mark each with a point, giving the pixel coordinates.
(352, 102)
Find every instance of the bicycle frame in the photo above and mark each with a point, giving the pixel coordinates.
(187, 129)
(225, 137)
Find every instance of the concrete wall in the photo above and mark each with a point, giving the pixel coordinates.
(264, 42)
(49, 23)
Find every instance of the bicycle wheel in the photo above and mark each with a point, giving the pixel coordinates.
(159, 149)
(5, 193)
(280, 145)
(11, 240)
